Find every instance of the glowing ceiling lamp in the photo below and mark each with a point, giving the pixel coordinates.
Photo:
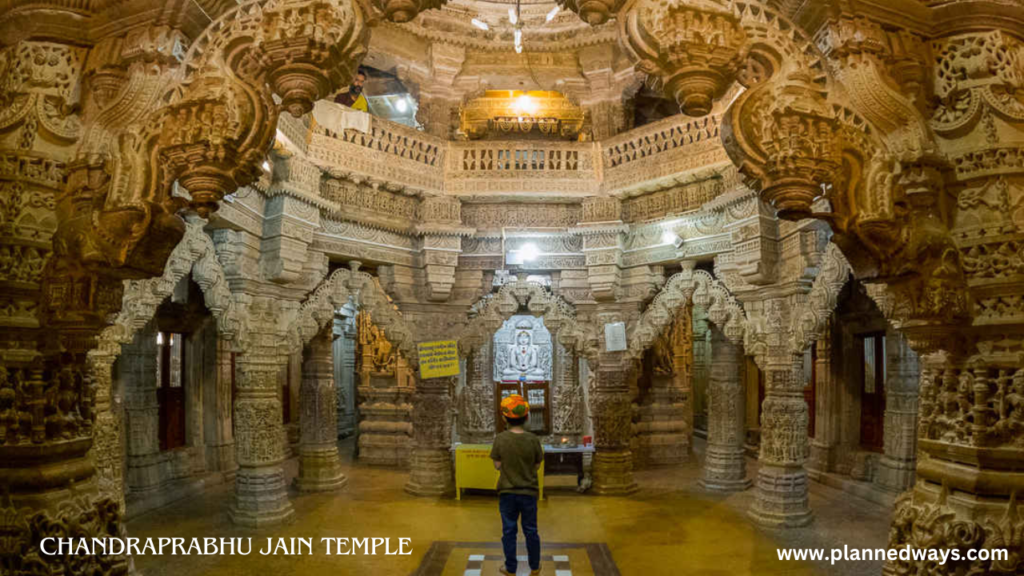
(402, 105)
(479, 24)
(526, 105)
(551, 15)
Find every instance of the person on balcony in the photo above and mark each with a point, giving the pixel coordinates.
(353, 96)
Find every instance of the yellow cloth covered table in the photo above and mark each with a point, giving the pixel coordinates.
(475, 469)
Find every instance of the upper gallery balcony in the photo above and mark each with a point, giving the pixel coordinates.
(662, 155)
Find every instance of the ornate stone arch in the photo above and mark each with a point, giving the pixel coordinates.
(210, 130)
(333, 293)
(706, 291)
(491, 311)
(807, 313)
(195, 254)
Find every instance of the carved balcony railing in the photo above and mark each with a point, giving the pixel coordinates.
(662, 154)
(391, 154)
(663, 157)
(563, 168)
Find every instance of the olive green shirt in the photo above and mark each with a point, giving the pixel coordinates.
(520, 455)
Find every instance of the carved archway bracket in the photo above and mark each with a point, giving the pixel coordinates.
(705, 291)
(209, 132)
(786, 326)
(365, 291)
(195, 254)
(489, 313)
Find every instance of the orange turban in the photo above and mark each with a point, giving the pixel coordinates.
(514, 406)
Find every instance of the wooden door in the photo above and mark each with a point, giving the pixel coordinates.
(872, 400)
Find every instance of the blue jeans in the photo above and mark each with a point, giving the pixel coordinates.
(511, 506)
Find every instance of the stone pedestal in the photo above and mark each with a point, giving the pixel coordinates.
(261, 492)
(319, 466)
(385, 431)
(430, 468)
(781, 497)
(725, 466)
(662, 436)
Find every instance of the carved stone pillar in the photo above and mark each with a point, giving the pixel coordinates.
(261, 492)
(827, 393)
(219, 433)
(698, 413)
(725, 466)
(611, 412)
(345, 373)
(476, 404)
(781, 496)
(137, 373)
(902, 382)
(430, 472)
(319, 466)
(567, 418)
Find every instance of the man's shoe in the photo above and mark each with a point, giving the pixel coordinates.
(503, 570)
(535, 572)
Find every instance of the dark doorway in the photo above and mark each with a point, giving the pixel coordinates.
(872, 402)
(171, 389)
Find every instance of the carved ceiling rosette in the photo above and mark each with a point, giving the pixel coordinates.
(781, 135)
(593, 12)
(405, 10)
(694, 49)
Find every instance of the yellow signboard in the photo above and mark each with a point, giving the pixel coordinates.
(439, 359)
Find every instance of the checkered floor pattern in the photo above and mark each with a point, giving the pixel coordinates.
(485, 558)
(562, 566)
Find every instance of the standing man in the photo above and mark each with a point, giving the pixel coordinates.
(517, 454)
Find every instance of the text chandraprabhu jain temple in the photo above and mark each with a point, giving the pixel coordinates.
(268, 269)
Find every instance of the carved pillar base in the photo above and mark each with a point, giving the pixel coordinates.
(261, 498)
(781, 499)
(613, 473)
(430, 473)
(319, 469)
(822, 458)
(725, 469)
(895, 474)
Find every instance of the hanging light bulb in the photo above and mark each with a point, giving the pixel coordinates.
(551, 15)
(519, 40)
(402, 105)
(512, 16)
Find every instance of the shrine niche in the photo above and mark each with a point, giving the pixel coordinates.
(384, 397)
(663, 417)
(522, 350)
(504, 114)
